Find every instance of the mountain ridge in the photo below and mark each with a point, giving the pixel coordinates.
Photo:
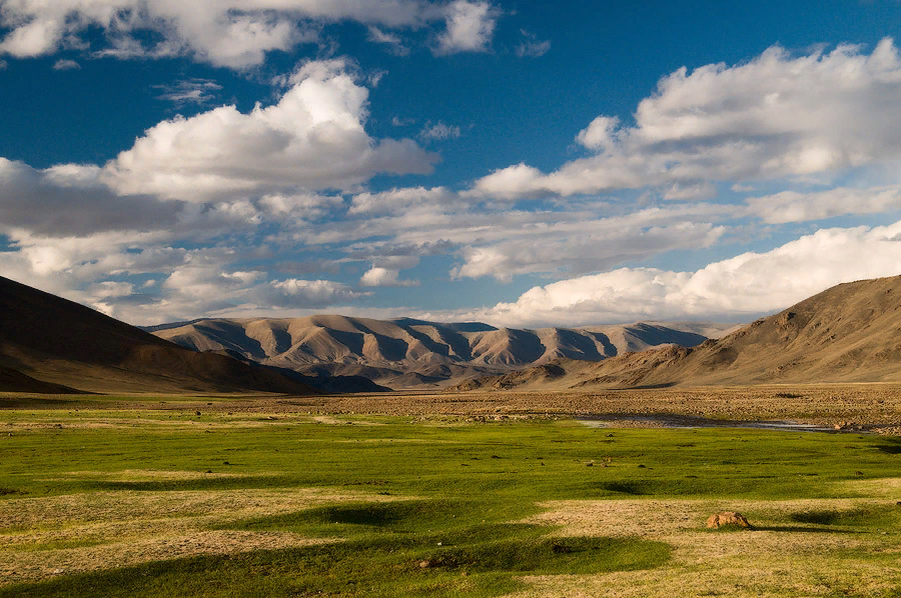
(409, 353)
(848, 333)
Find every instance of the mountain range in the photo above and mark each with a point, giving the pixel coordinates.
(409, 353)
(848, 333)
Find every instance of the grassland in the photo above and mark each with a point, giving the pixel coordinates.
(223, 496)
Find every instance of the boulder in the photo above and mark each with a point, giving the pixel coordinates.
(728, 518)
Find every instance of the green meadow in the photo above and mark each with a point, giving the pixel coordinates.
(153, 502)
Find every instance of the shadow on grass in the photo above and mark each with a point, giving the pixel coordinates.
(892, 449)
(375, 566)
(798, 529)
(210, 483)
(868, 516)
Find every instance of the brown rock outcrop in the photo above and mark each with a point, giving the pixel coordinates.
(728, 518)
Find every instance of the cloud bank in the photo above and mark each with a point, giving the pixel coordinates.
(741, 287)
(230, 33)
(773, 117)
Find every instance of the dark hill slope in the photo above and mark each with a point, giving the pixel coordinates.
(54, 341)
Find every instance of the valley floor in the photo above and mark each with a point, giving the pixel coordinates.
(471, 494)
(873, 408)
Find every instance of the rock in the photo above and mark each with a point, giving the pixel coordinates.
(728, 518)
(425, 564)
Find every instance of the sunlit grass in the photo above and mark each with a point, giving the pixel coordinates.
(291, 505)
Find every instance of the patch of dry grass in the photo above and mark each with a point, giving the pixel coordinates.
(43, 537)
(779, 558)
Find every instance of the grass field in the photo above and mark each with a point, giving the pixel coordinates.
(98, 498)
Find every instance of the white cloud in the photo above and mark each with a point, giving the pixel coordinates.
(470, 27)
(580, 247)
(531, 46)
(66, 65)
(690, 190)
(439, 132)
(395, 200)
(601, 134)
(775, 116)
(313, 138)
(3, 65)
(190, 91)
(734, 289)
(392, 40)
(309, 293)
(107, 289)
(791, 206)
(230, 33)
(378, 276)
(302, 206)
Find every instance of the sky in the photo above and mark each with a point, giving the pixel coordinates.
(524, 164)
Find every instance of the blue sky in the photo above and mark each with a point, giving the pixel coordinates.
(520, 163)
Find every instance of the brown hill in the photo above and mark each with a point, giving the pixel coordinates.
(408, 353)
(849, 333)
(49, 344)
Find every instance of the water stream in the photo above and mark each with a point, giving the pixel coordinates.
(668, 420)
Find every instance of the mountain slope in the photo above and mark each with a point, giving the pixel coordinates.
(849, 333)
(406, 353)
(47, 342)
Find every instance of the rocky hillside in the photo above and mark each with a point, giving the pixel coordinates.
(849, 333)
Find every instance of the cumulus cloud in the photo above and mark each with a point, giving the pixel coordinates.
(775, 116)
(470, 27)
(227, 33)
(739, 288)
(378, 276)
(313, 138)
(385, 271)
(308, 293)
